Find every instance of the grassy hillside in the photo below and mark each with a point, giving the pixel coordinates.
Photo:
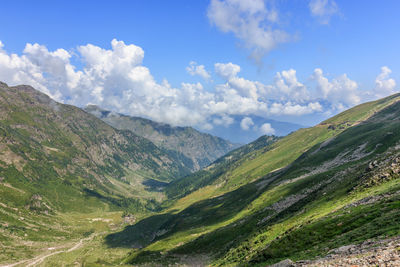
(317, 189)
(195, 150)
(221, 167)
(75, 190)
(57, 159)
(273, 157)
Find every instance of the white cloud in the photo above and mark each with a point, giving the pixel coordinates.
(323, 9)
(293, 109)
(223, 120)
(288, 87)
(227, 70)
(250, 21)
(194, 69)
(115, 79)
(246, 123)
(340, 92)
(266, 128)
(384, 85)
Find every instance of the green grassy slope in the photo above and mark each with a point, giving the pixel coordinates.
(45, 145)
(300, 211)
(57, 159)
(257, 163)
(194, 149)
(188, 184)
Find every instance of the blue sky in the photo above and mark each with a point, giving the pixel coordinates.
(342, 53)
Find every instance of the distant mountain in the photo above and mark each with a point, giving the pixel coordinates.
(235, 133)
(195, 149)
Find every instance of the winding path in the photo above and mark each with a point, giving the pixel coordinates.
(40, 258)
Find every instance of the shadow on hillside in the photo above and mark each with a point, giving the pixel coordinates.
(139, 234)
(203, 213)
(154, 185)
(373, 137)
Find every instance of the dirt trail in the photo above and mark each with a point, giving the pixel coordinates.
(40, 258)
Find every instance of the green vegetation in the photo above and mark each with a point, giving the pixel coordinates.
(56, 159)
(75, 190)
(253, 223)
(191, 148)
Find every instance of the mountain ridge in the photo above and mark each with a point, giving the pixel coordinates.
(271, 217)
(68, 178)
(195, 149)
(43, 138)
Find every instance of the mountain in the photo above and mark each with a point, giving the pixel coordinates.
(43, 139)
(57, 159)
(317, 191)
(196, 150)
(235, 133)
(74, 190)
(220, 168)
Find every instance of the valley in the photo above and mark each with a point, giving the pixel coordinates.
(69, 194)
(216, 133)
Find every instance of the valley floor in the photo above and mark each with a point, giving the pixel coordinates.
(88, 249)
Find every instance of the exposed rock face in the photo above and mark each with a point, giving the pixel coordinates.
(284, 263)
(369, 253)
(129, 219)
(194, 149)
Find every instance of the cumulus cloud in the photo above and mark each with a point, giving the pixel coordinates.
(286, 96)
(293, 109)
(341, 92)
(266, 128)
(226, 70)
(246, 123)
(323, 10)
(223, 120)
(194, 69)
(384, 85)
(250, 21)
(288, 87)
(116, 79)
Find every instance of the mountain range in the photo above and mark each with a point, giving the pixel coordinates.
(76, 189)
(236, 133)
(196, 150)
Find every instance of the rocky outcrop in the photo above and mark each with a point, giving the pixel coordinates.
(369, 253)
(192, 148)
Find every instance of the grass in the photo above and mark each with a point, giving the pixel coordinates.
(255, 164)
(274, 193)
(230, 226)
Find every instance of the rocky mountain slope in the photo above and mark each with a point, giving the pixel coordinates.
(56, 158)
(194, 149)
(76, 190)
(42, 140)
(300, 197)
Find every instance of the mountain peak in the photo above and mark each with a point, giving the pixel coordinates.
(196, 149)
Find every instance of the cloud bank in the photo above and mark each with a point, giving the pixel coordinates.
(117, 80)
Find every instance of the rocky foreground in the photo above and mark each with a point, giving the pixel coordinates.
(381, 253)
